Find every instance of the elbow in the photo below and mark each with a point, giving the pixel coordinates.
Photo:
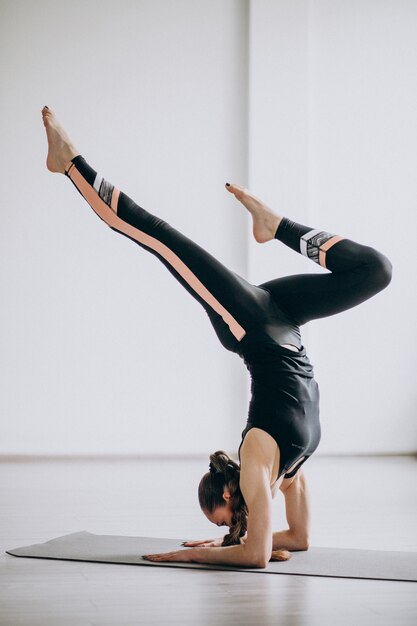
(258, 560)
(261, 560)
(304, 544)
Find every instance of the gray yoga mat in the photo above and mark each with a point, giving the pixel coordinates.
(334, 562)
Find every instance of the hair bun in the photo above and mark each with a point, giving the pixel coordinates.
(212, 468)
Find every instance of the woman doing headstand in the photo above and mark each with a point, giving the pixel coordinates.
(260, 323)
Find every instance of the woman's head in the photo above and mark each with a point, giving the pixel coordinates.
(220, 497)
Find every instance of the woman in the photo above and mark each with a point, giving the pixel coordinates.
(260, 323)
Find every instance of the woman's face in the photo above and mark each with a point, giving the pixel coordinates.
(222, 515)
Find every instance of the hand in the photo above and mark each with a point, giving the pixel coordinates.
(183, 556)
(204, 543)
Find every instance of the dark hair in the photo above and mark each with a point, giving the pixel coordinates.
(224, 473)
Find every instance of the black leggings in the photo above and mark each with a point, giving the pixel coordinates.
(234, 305)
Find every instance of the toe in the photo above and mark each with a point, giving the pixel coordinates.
(237, 190)
(46, 112)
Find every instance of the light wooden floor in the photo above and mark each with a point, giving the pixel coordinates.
(357, 502)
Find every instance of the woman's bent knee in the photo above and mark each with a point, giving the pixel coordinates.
(381, 269)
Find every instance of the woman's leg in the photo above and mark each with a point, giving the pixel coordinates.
(357, 273)
(224, 295)
(233, 305)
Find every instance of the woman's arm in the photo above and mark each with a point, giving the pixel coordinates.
(225, 555)
(297, 508)
(256, 550)
(298, 516)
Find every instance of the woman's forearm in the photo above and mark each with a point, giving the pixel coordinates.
(284, 539)
(225, 555)
(287, 540)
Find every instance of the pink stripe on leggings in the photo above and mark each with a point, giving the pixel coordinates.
(326, 246)
(109, 215)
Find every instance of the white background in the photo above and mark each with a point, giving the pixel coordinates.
(312, 105)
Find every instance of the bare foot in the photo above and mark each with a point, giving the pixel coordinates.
(265, 221)
(60, 148)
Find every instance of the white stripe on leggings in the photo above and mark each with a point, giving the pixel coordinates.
(305, 238)
(97, 182)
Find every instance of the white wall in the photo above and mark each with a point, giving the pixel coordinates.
(333, 138)
(102, 350)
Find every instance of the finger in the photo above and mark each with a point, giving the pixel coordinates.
(156, 557)
(149, 557)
